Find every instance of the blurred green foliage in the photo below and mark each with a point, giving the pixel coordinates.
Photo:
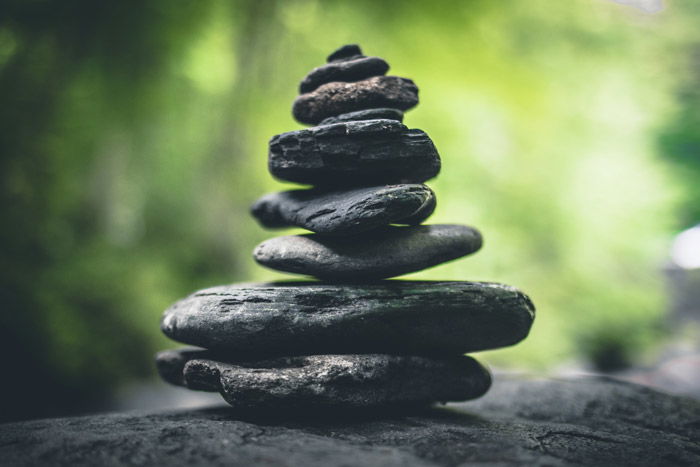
(133, 138)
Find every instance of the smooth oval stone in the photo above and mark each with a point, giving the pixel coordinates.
(345, 212)
(337, 98)
(396, 317)
(345, 52)
(356, 153)
(332, 381)
(384, 113)
(347, 71)
(382, 253)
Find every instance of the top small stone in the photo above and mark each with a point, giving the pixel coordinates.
(346, 52)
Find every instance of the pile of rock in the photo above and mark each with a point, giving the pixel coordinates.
(353, 339)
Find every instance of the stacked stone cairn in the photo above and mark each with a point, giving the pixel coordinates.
(351, 340)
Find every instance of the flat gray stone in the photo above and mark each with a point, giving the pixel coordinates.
(347, 71)
(337, 98)
(519, 422)
(332, 381)
(254, 321)
(382, 253)
(345, 212)
(354, 153)
(384, 113)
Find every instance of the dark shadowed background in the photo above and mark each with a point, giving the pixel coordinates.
(133, 139)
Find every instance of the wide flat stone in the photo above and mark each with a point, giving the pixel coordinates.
(383, 113)
(397, 317)
(381, 253)
(354, 153)
(520, 421)
(337, 98)
(331, 381)
(345, 212)
(347, 71)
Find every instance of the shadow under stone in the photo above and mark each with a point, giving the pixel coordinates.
(341, 416)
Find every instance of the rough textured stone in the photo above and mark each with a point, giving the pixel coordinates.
(384, 113)
(534, 422)
(333, 381)
(170, 363)
(346, 212)
(337, 98)
(396, 317)
(345, 52)
(381, 253)
(347, 71)
(354, 153)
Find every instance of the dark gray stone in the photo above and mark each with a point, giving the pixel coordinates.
(520, 421)
(369, 114)
(254, 321)
(354, 153)
(337, 98)
(332, 381)
(347, 71)
(170, 363)
(345, 212)
(381, 253)
(345, 52)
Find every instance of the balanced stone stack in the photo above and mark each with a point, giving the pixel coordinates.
(352, 339)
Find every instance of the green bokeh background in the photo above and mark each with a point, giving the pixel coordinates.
(133, 139)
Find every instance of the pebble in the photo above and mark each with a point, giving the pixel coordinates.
(334, 381)
(345, 212)
(347, 71)
(382, 253)
(257, 320)
(337, 98)
(345, 52)
(354, 153)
